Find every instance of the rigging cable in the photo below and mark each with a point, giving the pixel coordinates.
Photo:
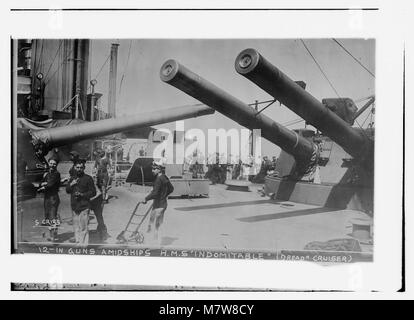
(100, 70)
(361, 126)
(90, 62)
(41, 57)
(292, 122)
(125, 68)
(34, 54)
(371, 122)
(342, 46)
(362, 99)
(34, 69)
(260, 102)
(326, 77)
(63, 61)
(359, 62)
(53, 61)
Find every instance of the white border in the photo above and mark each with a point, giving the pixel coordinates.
(388, 26)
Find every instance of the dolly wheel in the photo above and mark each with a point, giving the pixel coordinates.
(139, 237)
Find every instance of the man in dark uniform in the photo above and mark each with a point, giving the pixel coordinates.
(50, 185)
(40, 155)
(265, 167)
(81, 189)
(141, 152)
(274, 163)
(102, 164)
(97, 206)
(215, 170)
(161, 189)
(237, 170)
(74, 156)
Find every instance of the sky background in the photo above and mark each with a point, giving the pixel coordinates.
(139, 88)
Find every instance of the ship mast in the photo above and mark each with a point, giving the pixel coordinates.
(112, 80)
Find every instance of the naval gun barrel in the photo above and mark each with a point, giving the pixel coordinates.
(182, 78)
(254, 67)
(54, 137)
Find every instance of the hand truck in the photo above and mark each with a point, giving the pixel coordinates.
(135, 235)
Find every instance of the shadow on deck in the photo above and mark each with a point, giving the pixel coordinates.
(225, 205)
(287, 214)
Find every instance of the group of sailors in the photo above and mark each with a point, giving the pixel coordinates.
(218, 171)
(86, 194)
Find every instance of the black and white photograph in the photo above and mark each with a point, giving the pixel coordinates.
(245, 149)
(203, 148)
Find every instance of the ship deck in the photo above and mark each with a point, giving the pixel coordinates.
(226, 220)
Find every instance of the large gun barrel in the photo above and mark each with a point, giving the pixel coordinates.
(182, 78)
(54, 137)
(254, 67)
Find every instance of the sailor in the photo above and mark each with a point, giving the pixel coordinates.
(141, 152)
(161, 189)
(56, 154)
(216, 172)
(264, 169)
(196, 168)
(81, 189)
(319, 143)
(50, 185)
(40, 155)
(74, 156)
(246, 169)
(274, 162)
(237, 171)
(97, 206)
(102, 165)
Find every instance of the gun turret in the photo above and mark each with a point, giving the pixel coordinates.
(47, 139)
(182, 78)
(254, 67)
